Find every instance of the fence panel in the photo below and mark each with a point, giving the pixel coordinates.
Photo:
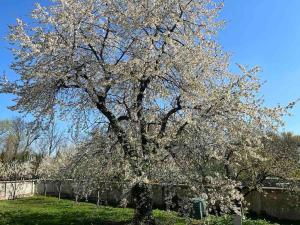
(17, 189)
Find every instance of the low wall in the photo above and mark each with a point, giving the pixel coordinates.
(276, 202)
(112, 195)
(18, 189)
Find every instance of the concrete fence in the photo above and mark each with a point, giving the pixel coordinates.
(114, 193)
(274, 202)
(279, 203)
(17, 189)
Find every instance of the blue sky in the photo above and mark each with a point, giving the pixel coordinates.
(267, 33)
(258, 32)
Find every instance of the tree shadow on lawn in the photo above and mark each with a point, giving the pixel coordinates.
(64, 218)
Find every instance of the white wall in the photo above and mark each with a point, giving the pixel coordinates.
(19, 189)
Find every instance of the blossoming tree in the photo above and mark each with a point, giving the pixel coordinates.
(16, 171)
(45, 171)
(98, 167)
(150, 72)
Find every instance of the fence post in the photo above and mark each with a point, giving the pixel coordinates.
(32, 187)
(4, 190)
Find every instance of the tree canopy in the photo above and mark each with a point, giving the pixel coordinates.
(152, 75)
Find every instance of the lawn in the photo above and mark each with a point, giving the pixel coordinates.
(51, 211)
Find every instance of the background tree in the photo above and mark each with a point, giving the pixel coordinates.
(280, 160)
(97, 152)
(17, 170)
(62, 164)
(16, 149)
(2, 173)
(149, 72)
(45, 171)
(17, 139)
(4, 127)
(51, 140)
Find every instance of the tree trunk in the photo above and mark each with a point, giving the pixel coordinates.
(98, 198)
(143, 204)
(45, 189)
(14, 189)
(59, 190)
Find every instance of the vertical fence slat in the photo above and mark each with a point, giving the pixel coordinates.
(5, 190)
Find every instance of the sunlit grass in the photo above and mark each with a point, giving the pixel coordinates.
(51, 211)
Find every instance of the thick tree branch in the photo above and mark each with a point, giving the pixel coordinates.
(118, 131)
(167, 116)
(145, 81)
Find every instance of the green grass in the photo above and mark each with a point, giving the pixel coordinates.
(51, 211)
